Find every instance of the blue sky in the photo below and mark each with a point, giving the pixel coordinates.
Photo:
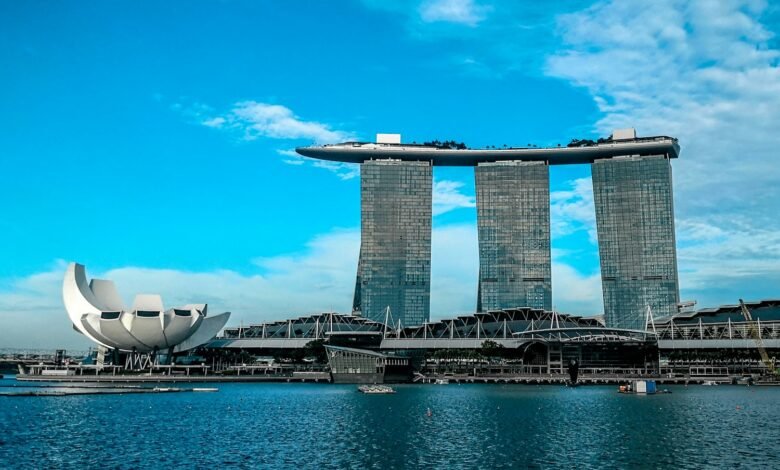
(152, 142)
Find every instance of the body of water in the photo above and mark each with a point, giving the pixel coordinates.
(334, 426)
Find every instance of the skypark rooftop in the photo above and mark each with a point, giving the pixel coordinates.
(624, 143)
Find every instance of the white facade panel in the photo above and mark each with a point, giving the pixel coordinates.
(624, 134)
(388, 138)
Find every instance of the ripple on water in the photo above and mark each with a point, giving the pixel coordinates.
(332, 426)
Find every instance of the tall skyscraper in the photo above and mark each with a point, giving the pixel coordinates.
(513, 220)
(394, 269)
(635, 222)
(632, 186)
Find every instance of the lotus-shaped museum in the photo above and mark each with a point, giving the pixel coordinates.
(98, 312)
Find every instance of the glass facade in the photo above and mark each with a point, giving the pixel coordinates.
(513, 220)
(635, 222)
(394, 269)
(355, 362)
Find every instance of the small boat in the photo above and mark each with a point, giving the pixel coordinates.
(205, 389)
(639, 386)
(375, 389)
(442, 381)
(709, 382)
(745, 380)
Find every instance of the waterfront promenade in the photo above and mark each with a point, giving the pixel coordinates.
(163, 378)
(323, 377)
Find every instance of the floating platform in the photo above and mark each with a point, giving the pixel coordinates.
(77, 391)
(375, 389)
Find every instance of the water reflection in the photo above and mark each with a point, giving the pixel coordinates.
(333, 426)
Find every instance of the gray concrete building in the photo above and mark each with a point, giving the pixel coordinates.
(635, 224)
(394, 269)
(513, 223)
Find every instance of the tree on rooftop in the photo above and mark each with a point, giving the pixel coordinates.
(447, 144)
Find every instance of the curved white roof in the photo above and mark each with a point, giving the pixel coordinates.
(97, 311)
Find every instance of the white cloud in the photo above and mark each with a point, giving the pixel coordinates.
(572, 209)
(292, 158)
(254, 120)
(702, 71)
(216, 122)
(321, 277)
(723, 260)
(448, 196)
(706, 72)
(31, 313)
(575, 292)
(485, 39)
(345, 171)
(452, 11)
(454, 270)
(196, 112)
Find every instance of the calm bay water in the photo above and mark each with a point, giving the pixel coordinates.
(334, 426)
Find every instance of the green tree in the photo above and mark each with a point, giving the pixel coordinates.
(297, 355)
(491, 349)
(316, 349)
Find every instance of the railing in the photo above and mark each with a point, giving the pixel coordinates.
(719, 331)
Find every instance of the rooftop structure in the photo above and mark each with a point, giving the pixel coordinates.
(767, 310)
(705, 329)
(721, 327)
(98, 313)
(621, 144)
(462, 331)
(545, 340)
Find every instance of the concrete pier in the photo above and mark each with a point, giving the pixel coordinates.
(310, 377)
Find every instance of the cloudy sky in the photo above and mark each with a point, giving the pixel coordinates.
(152, 142)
